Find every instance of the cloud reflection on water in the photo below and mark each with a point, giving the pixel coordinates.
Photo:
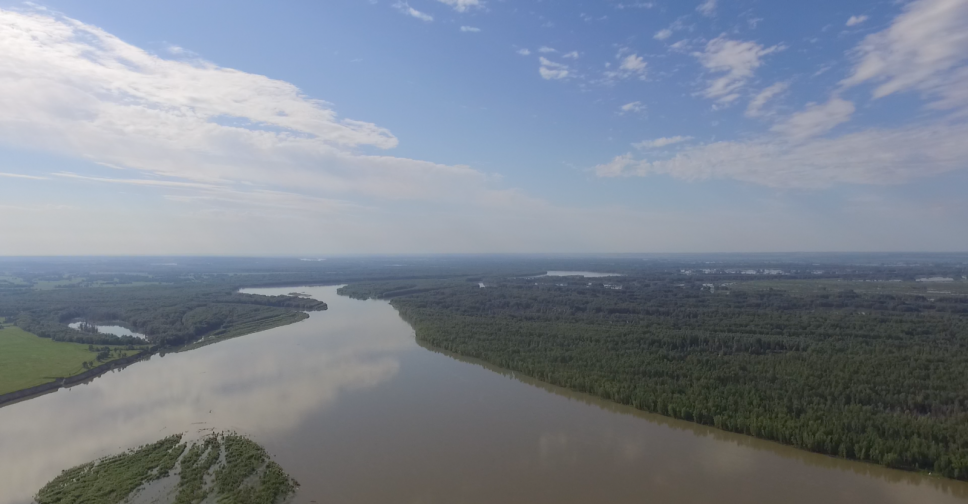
(262, 385)
(348, 398)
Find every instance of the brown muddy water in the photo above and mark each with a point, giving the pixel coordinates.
(352, 407)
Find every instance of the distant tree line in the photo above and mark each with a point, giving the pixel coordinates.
(168, 315)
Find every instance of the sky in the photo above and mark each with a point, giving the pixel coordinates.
(480, 126)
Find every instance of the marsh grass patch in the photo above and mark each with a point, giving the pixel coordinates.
(222, 468)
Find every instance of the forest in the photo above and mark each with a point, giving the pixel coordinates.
(862, 367)
(856, 356)
(188, 300)
(168, 315)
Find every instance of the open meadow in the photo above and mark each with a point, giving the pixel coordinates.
(27, 360)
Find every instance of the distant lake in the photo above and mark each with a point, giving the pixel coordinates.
(587, 274)
(359, 412)
(109, 329)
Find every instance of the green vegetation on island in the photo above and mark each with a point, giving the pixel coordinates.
(224, 468)
(856, 372)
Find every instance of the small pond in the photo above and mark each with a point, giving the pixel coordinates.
(109, 329)
(586, 274)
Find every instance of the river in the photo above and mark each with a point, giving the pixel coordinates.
(350, 405)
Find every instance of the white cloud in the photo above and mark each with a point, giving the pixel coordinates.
(667, 32)
(875, 156)
(207, 136)
(681, 45)
(924, 49)
(572, 55)
(550, 70)
(629, 65)
(243, 199)
(21, 176)
(816, 119)
(523, 52)
(755, 107)
(621, 166)
(633, 63)
(546, 50)
(470, 29)
(635, 106)
(81, 92)
(462, 5)
(736, 61)
(636, 5)
(707, 8)
(229, 161)
(141, 182)
(410, 11)
(660, 142)
(81, 73)
(856, 20)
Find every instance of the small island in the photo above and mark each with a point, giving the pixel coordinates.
(222, 467)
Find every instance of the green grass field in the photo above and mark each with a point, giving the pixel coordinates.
(27, 360)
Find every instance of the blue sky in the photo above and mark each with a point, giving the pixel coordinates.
(482, 126)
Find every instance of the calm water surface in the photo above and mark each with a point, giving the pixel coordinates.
(110, 329)
(355, 410)
(586, 274)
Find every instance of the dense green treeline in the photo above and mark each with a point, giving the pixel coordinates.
(874, 377)
(168, 315)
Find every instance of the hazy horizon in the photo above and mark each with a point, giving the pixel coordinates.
(577, 255)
